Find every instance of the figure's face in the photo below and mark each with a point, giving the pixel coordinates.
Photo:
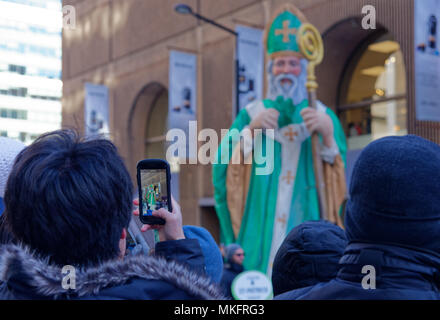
(287, 65)
(238, 257)
(285, 75)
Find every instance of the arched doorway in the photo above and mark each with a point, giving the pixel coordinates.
(365, 83)
(148, 125)
(155, 131)
(373, 93)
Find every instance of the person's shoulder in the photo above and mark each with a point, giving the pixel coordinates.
(321, 291)
(294, 294)
(227, 270)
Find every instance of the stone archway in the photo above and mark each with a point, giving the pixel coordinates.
(350, 91)
(137, 122)
(138, 119)
(345, 38)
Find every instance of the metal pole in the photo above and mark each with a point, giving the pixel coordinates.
(237, 78)
(198, 16)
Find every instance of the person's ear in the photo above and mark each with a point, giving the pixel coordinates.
(124, 234)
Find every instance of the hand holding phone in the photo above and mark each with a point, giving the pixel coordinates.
(172, 229)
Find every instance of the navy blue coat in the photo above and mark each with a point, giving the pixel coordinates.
(402, 273)
(179, 276)
(230, 271)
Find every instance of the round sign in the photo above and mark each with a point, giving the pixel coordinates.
(252, 285)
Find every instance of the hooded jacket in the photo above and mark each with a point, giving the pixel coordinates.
(400, 273)
(25, 275)
(309, 255)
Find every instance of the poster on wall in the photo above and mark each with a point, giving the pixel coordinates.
(251, 64)
(427, 60)
(96, 110)
(182, 110)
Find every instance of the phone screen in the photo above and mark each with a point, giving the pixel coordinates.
(154, 190)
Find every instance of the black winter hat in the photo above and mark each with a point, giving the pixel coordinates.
(395, 194)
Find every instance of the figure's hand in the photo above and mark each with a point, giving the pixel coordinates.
(172, 229)
(320, 122)
(266, 119)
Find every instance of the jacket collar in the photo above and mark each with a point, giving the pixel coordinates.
(394, 265)
(24, 271)
(235, 267)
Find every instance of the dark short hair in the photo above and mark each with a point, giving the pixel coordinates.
(69, 198)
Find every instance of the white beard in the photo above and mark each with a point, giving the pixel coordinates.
(296, 90)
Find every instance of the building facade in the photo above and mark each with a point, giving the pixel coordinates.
(367, 76)
(30, 68)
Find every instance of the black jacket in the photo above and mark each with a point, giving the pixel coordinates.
(308, 255)
(230, 271)
(401, 273)
(24, 275)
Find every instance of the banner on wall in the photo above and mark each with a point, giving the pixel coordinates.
(251, 69)
(96, 110)
(182, 109)
(427, 60)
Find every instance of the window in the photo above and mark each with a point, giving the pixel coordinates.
(22, 136)
(13, 114)
(17, 69)
(22, 114)
(18, 92)
(45, 98)
(373, 94)
(22, 92)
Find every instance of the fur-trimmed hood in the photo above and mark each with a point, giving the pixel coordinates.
(23, 269)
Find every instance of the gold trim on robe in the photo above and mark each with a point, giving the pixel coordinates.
(237, 186)
(238, 180)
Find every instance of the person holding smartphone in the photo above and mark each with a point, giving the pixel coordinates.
(68, 205)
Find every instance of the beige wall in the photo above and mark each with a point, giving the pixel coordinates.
(125, 43)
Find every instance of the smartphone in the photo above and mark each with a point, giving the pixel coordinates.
(153, 178)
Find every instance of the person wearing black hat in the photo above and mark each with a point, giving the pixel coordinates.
(234, 256)
(309, 255)
(392, 225)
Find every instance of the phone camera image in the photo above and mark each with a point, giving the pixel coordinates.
(154, 190)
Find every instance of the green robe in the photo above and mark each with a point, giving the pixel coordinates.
(256, 229)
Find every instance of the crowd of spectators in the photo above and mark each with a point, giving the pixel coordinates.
(68, 201)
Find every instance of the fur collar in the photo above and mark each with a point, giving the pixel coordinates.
(38, 273)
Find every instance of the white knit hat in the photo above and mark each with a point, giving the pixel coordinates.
(9, 149)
